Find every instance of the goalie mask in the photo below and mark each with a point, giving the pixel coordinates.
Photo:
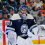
(23, 11)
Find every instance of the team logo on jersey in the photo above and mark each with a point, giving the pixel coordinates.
(24, 28)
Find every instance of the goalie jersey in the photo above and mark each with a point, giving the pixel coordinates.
(19, 25)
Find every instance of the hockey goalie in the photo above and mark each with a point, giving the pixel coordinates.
(17, 29)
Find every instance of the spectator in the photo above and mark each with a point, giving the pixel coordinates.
(34, 0)
(42, 10)
(38, 4)
(4, 3)
(44, 4)
(11, 2)
(28, 2)
(39, 18)
(5, 15)
(0, 5)
(9, 7)
(5, 9)
(42, 7)
(18, 2)
(0, 15)
(30, 7)
(34, 12)
(11, 12)
(22, 1)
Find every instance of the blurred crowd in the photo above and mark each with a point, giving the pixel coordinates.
(36, 8)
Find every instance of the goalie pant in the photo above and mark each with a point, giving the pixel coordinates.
(13, 40)
(21, 41)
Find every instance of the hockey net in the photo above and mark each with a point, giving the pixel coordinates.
(4, 40)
